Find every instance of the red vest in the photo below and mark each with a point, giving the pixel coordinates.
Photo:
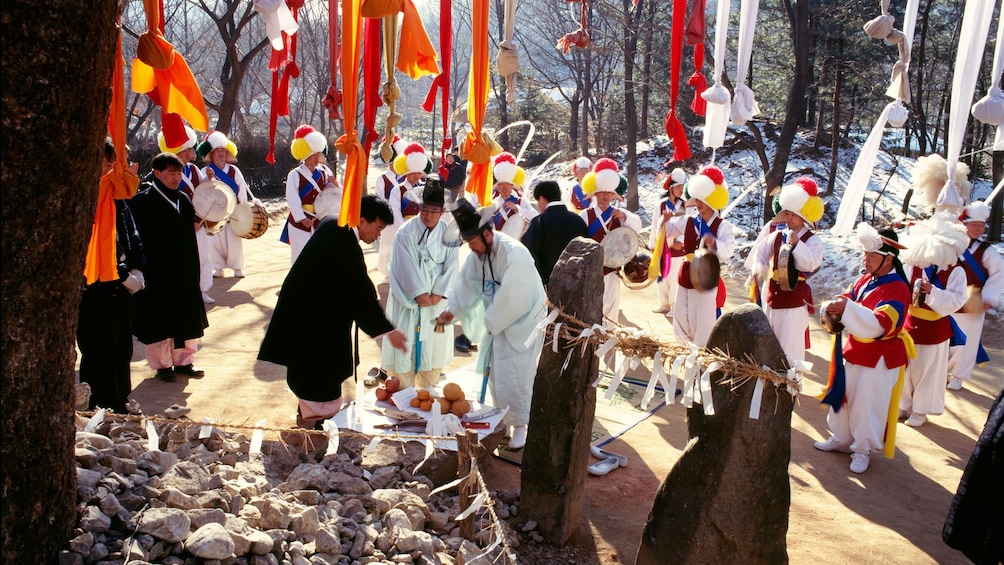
(797, 297)
(971, 278)
(598, 235)
(889, 300)
(691, 241)
(308, 199)
(924, 330)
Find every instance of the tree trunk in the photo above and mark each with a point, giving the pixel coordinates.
(821, 110)
(47, 221)
(630, 111)
(838, 76)
(573, 120)
(646, 69)
(587, 93)
(499, 85)
(795, 107)
(920, 94)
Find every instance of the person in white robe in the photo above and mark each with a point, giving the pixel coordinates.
(303, 187)
(226, 248)
(500, 300)
(514, 211)
(421, 271)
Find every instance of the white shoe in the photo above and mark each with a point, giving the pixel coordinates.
(916, 420)
(208, 299)
(662, 309)
(218, 274)
(832, 445)
(955, 384)
(238, 273)
(518, 437)
(601, 454)
(859, 462)
(603, 467)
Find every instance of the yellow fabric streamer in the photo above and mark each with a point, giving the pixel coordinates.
(655, 266)
(355, 162)
(892, 417)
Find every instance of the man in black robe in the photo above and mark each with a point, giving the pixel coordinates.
(316, 346)
(549, 233)
(170, 316)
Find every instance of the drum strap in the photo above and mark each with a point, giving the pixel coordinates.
(312, 180)
(974, 264)
(225, 178)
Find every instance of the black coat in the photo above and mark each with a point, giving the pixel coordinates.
(322, 350)
(549, 233)
(171, 304)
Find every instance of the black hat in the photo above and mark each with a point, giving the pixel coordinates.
(471, 221)
(434, 193)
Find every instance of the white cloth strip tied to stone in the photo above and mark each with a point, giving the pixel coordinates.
(990, 108)
(968, 57)
(674, 374)
(706, 398)
(152, 438)
(795, 376)
(756, 400)
(95, 420)
(690, 369)
(716, 118)
(330, 429)
(622, 368)
(257, 437)
(744, 106)
(658, 377)
(206, 431)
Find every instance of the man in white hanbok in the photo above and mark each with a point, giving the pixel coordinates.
(421, 271)
(500, 300)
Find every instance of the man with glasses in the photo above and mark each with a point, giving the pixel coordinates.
(421, 270)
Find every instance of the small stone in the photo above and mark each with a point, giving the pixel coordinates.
(210, 542)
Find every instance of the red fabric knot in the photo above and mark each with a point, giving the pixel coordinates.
(332, 100)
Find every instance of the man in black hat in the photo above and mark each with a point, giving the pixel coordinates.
(549, 233)
(500, 300)
(422, 267)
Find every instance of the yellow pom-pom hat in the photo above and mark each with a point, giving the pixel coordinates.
(802, 197)
(189, 143)
(708, 186)
(306, 142)
(412, 160)
(216, 140)
(505, 169)
(604, 177)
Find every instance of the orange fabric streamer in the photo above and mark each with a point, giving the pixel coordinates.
(119, 183)
(474, 147)
(416, 57)
(355, 162)
(175, 86)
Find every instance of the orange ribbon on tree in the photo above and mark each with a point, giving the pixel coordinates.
(475, 149)
(355, 162)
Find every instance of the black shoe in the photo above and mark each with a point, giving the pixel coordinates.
(166, 375)
(461, 344)
(189, 371)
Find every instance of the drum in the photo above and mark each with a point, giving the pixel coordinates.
(787, 274)
(249, 220)
(620, 245)
(328, 202)
(705, 269)
(213, 228)
(214, 201)
(635, 272)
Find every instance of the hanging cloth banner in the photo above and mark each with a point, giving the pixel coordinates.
(416, 56)
(162, 73)
(348, 143)
(120, 182)
(744, 106)
(283, 65)
(990, 108)
(696, 31)
(674, 129)
(390, 91)
(899, 85)
(507, 60)
(719, 100)
(972, 41)
(476, 148)
(333, 97)
(441, 84)
(371, 80)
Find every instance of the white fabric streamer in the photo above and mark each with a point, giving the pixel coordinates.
(744, 106)
(257, 436)
(206, 431)
(278, 19)
(716, 119)
(755, 401)
(554, 337)
(429, 449)
(690, 369)
(899, 86)
(990, 108)
(152, 439)
(622, 368)
(658, 374)
(674, 373)
(706, 399)
(972, 41)
(331, 430)
(95, 421)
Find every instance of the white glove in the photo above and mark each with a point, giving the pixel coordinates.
(135, 282)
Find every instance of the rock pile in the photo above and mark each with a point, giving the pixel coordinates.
(210, 501)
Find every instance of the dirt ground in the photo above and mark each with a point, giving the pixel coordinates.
(893, 513)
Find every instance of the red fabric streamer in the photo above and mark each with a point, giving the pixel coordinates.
(442, 81)
(372, 44)
(280, 85)
(674, 129)
(333, 98)
(697, 28)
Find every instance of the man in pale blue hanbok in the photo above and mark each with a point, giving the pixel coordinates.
(421, 269)
(500, 300)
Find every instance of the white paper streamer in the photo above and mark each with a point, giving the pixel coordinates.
(371, 447)
(567, 359)
(586, 333)
(618, 378)
(755, 401)
(554, 340)
(689, 372)
(476, 504)
(657, 371)
(602, 350)
(706, 398)
(429, 445)
(95, 421)
(331, 430)
(206, 431)
(257, 436)
(152, 439)
(448, 485)
(674, 373)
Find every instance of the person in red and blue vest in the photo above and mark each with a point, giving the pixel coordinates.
(866, 374)
(578, 198)
(696, 310)
(514, 211)
(601, 218)
(798, 205)
(984, 268)
(938, 280)
(668, 253)
(226, 248)
(303, 185)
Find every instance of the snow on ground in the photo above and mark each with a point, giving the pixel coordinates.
(842, 261)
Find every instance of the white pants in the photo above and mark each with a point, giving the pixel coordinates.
(666, 288)
(386, 244)
(227, 250)
(163, 354)
(861, 422)
(924, 381)
(694, 314)
(962, 358)
(789, 326)
(612, 296)
(297, 239)
(205, 263)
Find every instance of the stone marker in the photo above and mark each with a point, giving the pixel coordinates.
(726, 500)
(564, 402)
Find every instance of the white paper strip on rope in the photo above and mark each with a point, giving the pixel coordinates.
(206, 431)
(658, 374)
(542, 328)
(95, 421)
(476, 504)
(744, 106)
(716, 118)
(587, 333)
(567, 359)
(429, 449)
(152, 438)
(968, 58)
(330, 429)
(257, 436)
(371, 447)
(755, 400)
(674, 373)
(619, 373)
(609, 344)
(555, 340)
(706, 398)
(690, 369)
(449, 485)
